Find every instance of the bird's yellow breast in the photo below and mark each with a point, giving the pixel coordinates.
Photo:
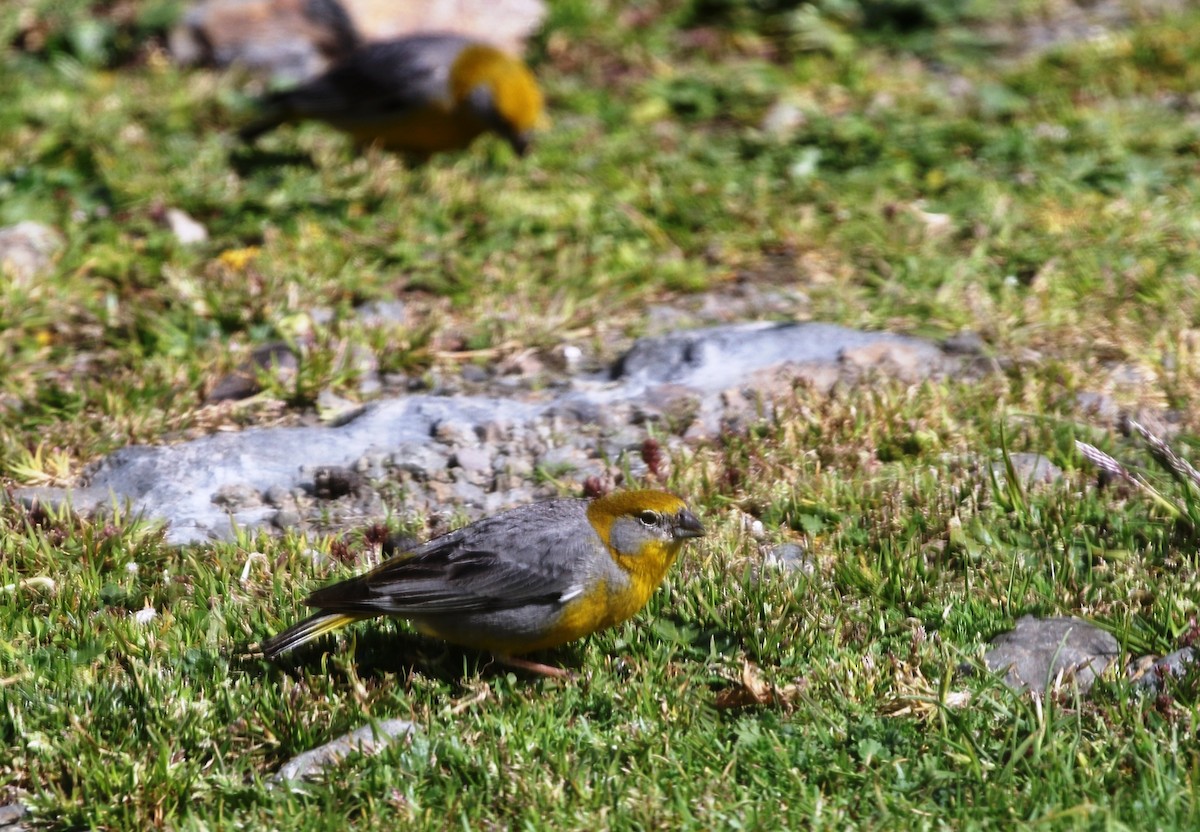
(597, 608)
(428, 130)
(605, 605)
(600, 607)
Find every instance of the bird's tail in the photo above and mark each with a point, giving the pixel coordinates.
(274, 109)
(265, 124)
(310, 628)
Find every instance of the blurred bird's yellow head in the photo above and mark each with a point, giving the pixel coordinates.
(499, 90)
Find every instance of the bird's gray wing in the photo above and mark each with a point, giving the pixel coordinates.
(539, 554)
(380, 80)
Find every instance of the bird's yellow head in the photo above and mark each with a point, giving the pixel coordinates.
(500, 90)
(644, 531)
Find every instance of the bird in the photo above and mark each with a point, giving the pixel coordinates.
(528, 579)
(420, 95)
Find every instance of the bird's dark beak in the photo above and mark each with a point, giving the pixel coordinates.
(686, 525)
(520, 142)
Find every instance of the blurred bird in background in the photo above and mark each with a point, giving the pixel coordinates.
(419, 95)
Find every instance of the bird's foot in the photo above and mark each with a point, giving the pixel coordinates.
(535, 667)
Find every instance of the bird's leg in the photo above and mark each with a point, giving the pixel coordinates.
(534, 667)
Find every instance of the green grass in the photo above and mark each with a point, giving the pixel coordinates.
(1071, 247)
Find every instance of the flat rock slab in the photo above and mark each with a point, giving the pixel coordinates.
(485, 452)
(717, 358)
(1050, 652)
(367, 740)
(178, 483)
(13, 816)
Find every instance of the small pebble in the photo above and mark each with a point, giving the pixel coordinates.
(286, 518)
(368, 740)
(789, 557)
(186, 230)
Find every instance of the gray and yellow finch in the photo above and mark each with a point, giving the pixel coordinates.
(528, 579)
(419, 94)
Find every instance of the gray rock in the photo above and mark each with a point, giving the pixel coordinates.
(12, 815)
(1031, 469)
(27, 250)
(626, 440)
(236, 496)
(789, 558)
(580, 410)
(564, 457)
(514, 466)
(383, 312)
(456, 432)
(372, 463)
(367, 740)
(1149, 675)
(286, 518)
(908, 360)
(240, 384)
(174, 483)
(277, 495)
(702, 382)
(1042, 652)
(468, 493)
(458, 493)
(474, 373)
(473, 459)
(494, 430)
(711, 360)
(473, 465)
(331, 482)
(510, 498)
(1101, 406)
(293, 39)
(82, 500)
(420, 459)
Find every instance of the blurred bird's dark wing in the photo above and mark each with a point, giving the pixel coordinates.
(380, 79)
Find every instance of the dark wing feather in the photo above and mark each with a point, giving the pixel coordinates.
(378, 80)
(532, 555)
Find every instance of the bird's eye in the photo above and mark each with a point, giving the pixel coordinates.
(649, 518)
